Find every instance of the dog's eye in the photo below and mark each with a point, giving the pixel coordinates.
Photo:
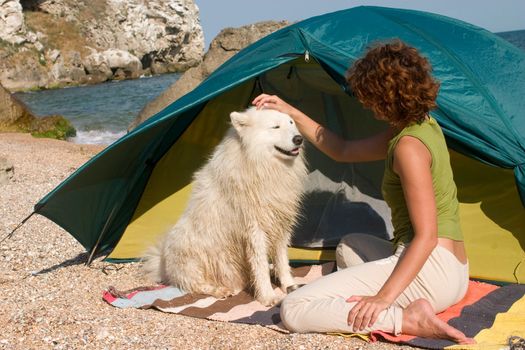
(291, 122)
(276, 127)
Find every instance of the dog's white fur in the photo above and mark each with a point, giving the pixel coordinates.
(244, 204)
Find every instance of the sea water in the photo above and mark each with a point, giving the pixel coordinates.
(100, 113)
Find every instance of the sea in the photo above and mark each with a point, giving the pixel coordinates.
(101, 113)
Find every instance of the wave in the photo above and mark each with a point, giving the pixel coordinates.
(97, 137)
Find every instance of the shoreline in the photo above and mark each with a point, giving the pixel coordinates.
(71, 85)
(50, 299)
(29, 141)
(100, 113)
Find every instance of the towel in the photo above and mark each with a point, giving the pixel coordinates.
(488, 313)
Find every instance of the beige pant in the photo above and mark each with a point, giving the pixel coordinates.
(365, 263)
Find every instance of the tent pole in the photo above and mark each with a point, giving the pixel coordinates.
(102, 233)
(9, 235)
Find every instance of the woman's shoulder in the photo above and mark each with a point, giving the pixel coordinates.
(410, 146)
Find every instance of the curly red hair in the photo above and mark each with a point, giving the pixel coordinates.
(394, 80)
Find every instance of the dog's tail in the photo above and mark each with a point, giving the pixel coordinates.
(153, 263)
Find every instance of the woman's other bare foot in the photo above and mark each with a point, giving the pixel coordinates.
(420, 320)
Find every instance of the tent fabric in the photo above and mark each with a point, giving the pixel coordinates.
(480, 108)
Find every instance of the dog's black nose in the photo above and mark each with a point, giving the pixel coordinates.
(297, 140)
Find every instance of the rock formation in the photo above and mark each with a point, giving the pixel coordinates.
(12, 26)
(16, 117)
(226, 44)
(54, 43)
(7, 171)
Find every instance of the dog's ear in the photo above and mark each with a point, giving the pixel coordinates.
(239, 120)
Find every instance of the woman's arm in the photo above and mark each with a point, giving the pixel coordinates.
(412, 162)
(328, 142)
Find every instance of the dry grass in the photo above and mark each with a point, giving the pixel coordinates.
(60, 34)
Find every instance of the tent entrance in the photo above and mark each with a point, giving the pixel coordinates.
(340, 198)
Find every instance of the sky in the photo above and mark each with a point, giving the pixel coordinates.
(493, 15)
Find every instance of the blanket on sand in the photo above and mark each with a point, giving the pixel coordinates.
(488, 313)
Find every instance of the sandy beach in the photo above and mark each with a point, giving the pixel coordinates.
(50, 299)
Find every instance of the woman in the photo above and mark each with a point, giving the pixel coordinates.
(428, 271)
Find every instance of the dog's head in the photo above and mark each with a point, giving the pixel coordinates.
(268, 132)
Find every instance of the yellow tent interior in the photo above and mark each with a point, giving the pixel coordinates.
(341, 198)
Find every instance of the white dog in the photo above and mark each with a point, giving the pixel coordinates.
(244, 204)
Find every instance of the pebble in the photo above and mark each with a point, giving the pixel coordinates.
(49, 299)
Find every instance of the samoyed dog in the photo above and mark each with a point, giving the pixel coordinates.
(242, 209)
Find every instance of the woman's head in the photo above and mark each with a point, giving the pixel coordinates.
(395, 82)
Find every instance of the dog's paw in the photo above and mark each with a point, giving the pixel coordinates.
(270, 300)
(218, 292)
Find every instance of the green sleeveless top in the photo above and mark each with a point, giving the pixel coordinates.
(430, 134)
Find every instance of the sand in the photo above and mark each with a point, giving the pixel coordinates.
(50, 299)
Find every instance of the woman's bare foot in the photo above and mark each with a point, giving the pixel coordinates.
(419, 320)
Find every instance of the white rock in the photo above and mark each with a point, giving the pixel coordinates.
(12, 25)
(53, 55)
(160, 26)
(165, 35)
(7, 171)
(39, 46)
(31, 37)
(121, 59)
(96, 61)
(40, 35)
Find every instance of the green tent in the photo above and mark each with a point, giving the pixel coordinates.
(130, 193)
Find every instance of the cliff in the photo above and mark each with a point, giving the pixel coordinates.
(226, 44)
(55, 43)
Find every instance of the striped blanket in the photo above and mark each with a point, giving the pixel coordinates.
(488, 313)
(240, 308)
